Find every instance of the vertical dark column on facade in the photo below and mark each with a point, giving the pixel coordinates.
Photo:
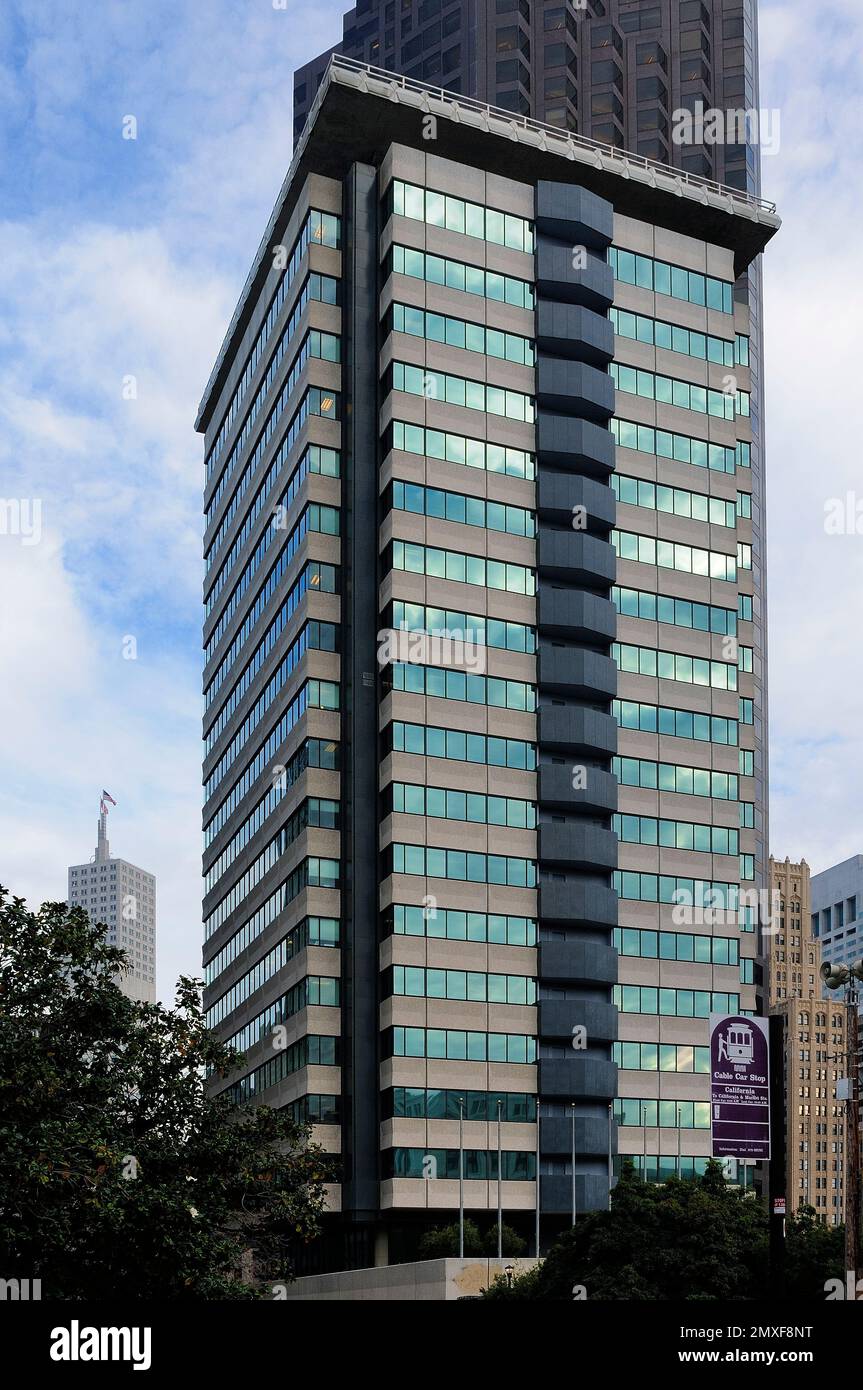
(577, 680)
(360, 1120)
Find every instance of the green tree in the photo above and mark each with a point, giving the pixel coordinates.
(512, 1243)
(685, 1239)
(119, 1173)
(443, 1241)
(814, 1253)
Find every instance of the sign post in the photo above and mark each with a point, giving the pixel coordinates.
(739, 1087)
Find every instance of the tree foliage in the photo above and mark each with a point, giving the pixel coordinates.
(119, 1173)
(443, 1241)
(691, 1239)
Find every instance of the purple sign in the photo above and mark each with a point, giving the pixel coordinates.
(739, 1086)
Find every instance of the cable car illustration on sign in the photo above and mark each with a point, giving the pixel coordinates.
(737, 1044)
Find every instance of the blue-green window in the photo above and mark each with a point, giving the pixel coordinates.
(672, 555)
(423, 982)
(429, 741)
(312, 990)
(458, 275)
(674, 945)
(460, 866)
(446, 803)
(454, 1044)
(668, 444)
(443, 683)
(447, 923)
(673, 777)
(681, 723)
(458, 215)
(430, 1103)
(669, 1057)
(459, 333)
(662, 1114)
(704, 894)
(677, 501)
(461, 391)
(674, 1003)
(465, 510)
(461, 568)
(459, 448)
(463, 627)
(672, 666)
(679, 612)
(676, 834)
(476, 1164)
(652, 386)
(312, 1051)
(674, 280)
(659, 333)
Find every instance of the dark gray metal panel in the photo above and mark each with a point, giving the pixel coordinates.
(576, 670)
(564, 210)
(574, 614)
(577, 728)
(555, 788)
(576, 557)
(566, 960)
(577, 851)
(559, 493)
(360, 1125)
(576, 388)
(570, 330)
(591, 1193)
(577, 844)
(578, 279)
(591, 1136)
(577, 902)
(581, 1075)
(575, 445)
(558, 1017)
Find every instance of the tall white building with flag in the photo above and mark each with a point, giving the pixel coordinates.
(123, 898)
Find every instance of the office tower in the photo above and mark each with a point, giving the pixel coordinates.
(815, 1045)
(123, 897)
(837, 912)
(791, 965)
(626, 73)
(458, 591)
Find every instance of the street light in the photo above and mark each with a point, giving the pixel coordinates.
(461, 1177)
(572, 1115)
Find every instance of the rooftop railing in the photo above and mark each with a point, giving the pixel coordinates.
(624, 158)
(621, 161)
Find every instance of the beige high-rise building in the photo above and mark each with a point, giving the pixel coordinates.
(815, 1048)
(123, 897)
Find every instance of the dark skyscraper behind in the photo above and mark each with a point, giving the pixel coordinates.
(615, 71)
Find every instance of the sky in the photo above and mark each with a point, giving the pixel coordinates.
(121, 261)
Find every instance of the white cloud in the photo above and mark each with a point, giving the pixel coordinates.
(813, 307)
(123, 258)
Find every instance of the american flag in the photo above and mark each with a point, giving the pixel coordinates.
(106, 797)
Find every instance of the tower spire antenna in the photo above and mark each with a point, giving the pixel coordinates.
(103, 849)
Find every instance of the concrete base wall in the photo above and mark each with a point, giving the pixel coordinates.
(433, 1280)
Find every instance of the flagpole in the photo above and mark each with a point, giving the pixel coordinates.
(610, 1163)
(461, 1177)
(538, 1184)
(572, 1112)
(499, 1191)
